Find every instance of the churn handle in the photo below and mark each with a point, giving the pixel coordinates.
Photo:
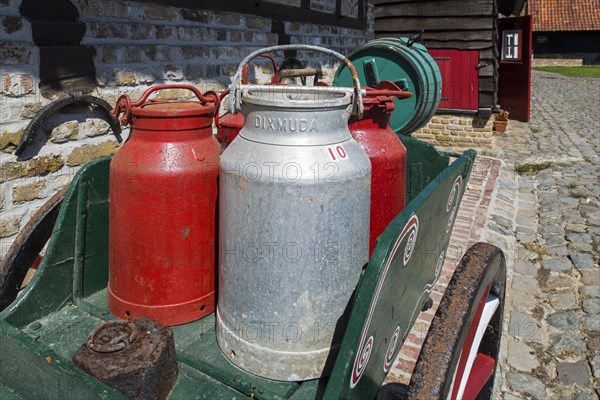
(234, 90)
(274, 78)
(124, 104)
(217, 117)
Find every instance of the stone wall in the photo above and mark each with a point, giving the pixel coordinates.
(453, 132)
(134, 45)
(556, 61)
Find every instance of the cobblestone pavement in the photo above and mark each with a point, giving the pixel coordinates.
(552, 344)
(548, 224)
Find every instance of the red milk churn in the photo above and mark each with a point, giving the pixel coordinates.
(387, 155)
(162, 206)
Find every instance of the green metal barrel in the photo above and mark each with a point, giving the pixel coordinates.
(407, 64)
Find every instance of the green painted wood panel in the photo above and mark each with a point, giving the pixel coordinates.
(34, 371)
(51, 319)
(406, 263)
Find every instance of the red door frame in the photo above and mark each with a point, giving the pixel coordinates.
(514, 84)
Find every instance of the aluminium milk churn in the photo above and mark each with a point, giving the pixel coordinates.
(229, 124)
(293, 226)
(162, 209)
(387, 155)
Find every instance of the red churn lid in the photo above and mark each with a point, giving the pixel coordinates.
(172, 115)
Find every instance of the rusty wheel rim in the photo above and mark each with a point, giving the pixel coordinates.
(24, 252)
(441, 369)
(475, 368)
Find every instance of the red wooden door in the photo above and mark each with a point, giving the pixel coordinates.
(514, 84)
(460, 78)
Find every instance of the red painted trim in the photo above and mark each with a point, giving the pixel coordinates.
(469, 343)
(482, 371)
(37, 262)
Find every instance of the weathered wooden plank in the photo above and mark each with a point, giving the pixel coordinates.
(487, 71)
(490, 61)
(486, 84)
(490, 70)
(378, 2)
(268, 10)
(436, 8)
(488, 54)
(484, 112)
(362, 9)
(434, 24)
(456, 45)
(464, 36)
(486, 99)
(448, 24)
(35, 371)
(443, 41)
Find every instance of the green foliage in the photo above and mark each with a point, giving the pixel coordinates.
(489, 153)
(535, 248)
(531, 167)
(573, 72)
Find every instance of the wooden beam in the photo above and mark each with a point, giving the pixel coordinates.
(463, 40)
(455, 111)
(484, 112)
(486, 99)
(488, 54)
(377, 2)
(362, 9)
(434, 24)
(457, 36)
(267, 10)
(486, 84)
(487, 71)
(457, 45)
(436, 8)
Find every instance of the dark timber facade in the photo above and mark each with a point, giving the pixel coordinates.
(453, 30)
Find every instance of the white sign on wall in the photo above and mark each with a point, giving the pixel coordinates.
(512, 45)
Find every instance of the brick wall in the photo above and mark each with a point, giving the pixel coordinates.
(133, 45)
(454, 132)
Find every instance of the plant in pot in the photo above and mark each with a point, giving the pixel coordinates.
(500, 121)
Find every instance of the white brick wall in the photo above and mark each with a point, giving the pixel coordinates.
(138, 44)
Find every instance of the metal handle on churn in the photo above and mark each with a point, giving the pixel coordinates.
(234, 88)
(124, 104)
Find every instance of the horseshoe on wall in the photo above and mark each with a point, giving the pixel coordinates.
(74, 98)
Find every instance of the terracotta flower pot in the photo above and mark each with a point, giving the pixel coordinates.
(500, 126)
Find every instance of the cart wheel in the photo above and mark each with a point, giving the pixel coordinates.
(24, 252)
(460, 354)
